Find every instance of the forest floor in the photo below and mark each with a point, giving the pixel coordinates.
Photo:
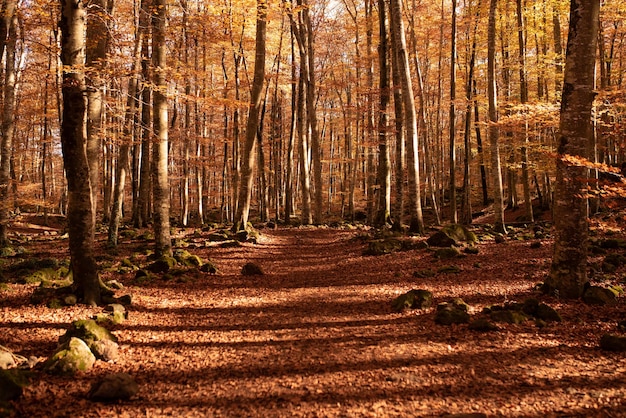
(316, 335)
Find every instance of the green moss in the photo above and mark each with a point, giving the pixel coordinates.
(413, 299)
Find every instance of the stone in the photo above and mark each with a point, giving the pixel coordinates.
(117, 386)
(547, 313)
(451, 235)
(7, 359)
(613, 342)
(251, 269)
(597, 295)
(448, 314)
(383, 246)
(530, 305)
(87, 330)
(482, 325)
(105, 350)
(11, 385)
(70, 358)
(218, 237)
(162, 265)
(447, 253)
(509, 317)
(208, 267)
(413, 299)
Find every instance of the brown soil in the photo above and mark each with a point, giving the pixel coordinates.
(316, 337)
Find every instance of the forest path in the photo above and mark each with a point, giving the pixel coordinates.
(315, 336)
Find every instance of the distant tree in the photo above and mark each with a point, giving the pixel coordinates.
(568, 273)
(73, 138)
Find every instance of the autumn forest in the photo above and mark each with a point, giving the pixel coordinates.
(269, 130)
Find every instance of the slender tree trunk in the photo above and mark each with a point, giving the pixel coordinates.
(311, 91)
(122, 168)
(384, 160)
(453, 204)
(494, 131)
(248, 157)
(73, 137)
(528, 203)
(9, 28)
(160, 185)
(96, 49)
(568, 274)
(415, 201)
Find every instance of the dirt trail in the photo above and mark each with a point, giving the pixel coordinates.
(316, 337)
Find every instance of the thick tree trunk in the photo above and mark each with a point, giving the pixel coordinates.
(160, 186)
(248, 157)
(568, 274)
(73, 136)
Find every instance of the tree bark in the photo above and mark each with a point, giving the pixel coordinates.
(160, 183)
(98, 12)
(494, 130)
(384, 160)
(248, 157)
(73, 137)
(9, 29)
(410, 117)
(568, 273)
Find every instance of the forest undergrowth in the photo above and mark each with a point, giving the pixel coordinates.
(316, 335)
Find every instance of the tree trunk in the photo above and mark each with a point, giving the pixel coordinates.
(494, 131)
(568, 274)
(96, 49)
(453, 204)
(160, 184)
(73, 137)
(9, 28)
(384, 160)
(248, 156)
(410, 117)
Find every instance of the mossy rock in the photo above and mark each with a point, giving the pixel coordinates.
(423, 274)
(208, 267)
(448, 314)
(413, 299)
(129, 233)
(597, 295)
(471, 250)
(187, 259)
(447, 253)
(113, 387)
(42, 275)
(218, 237)
(70, 358)
(547, 313)
(483, 325)
(7, 251)
(508, 316)
(87, 330)
(530, 306)
(451, 235)
(162, 265)
(251, 269)
(105, 350)
(613, 342)
(610, 243)
(449, 270)
(383, 246)
(12, 384)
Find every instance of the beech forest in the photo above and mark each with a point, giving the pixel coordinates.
(312, 208)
